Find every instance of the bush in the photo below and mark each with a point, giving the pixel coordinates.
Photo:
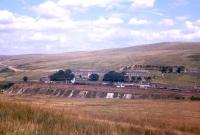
(136, 79)
(179, 98)
(94, 77)
(69, 75)
(5, 70)
(166, 69)
(6, 85)
(61, 75)
(25, 78)
(113, 76)
(193, 98)
(58, 76)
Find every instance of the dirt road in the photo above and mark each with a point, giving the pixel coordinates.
(20, 70)
(12, 68)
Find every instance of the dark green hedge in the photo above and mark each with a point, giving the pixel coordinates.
(6, 85)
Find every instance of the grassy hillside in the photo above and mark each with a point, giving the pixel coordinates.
(177, 53)
(186, 54)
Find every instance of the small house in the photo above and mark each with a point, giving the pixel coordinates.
(45, 80)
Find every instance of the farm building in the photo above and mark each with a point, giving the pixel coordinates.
(84, 75)
(44, 80)
(141, 74)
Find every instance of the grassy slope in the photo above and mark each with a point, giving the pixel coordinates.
(186, 54)
(179, 80)
(100, 117)
(157, 54)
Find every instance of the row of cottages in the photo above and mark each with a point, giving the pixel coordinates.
(192, 70)
(79, 75)
(143, 74)
(84, 75)
(174, 69)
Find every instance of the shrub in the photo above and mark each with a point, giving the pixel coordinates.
(113, 76)
(179, 98)
(94, 77)
(6, 85)
(25, 78)
(69, 75)
(194, 98)
(61, 75)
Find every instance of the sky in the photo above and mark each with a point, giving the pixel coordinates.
(53, 26)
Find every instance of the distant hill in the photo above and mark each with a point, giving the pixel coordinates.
(168, 53)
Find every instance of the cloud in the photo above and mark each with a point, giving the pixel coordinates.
(164, 35)
(106, 3)
(167, 22)
(55, 26)
(108, 21)
(6, 17)
(146, 35)
(193, 26)
(182, 18)
(143, 3)
(136, 21)
(87, 3)
(57, 31)
(22, 1)
(49, 9)
(180, 2)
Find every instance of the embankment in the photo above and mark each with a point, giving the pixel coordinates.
(88, 91)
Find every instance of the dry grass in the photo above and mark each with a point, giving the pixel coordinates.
(157, 54)
(40, 115)
(18, 119)
(179, 80)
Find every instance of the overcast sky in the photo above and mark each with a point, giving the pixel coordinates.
(40, 26)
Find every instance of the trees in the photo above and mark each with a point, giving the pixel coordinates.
(6, 85)
(113, 76)
(139, 79)
(180, 69)
(58, 76)
(94, 77)
(136, 79)
(69, 75)
(166, 69)
(148, 79)
(61, 75)
(25, 78)
(171, 69)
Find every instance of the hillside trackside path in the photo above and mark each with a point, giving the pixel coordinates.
(11, 67)
(20, 70)
(46, 70)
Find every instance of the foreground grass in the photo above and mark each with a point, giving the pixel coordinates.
(22, 119)
(49, 116)
(18, 119)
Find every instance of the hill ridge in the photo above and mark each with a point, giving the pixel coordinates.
(165, 53)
